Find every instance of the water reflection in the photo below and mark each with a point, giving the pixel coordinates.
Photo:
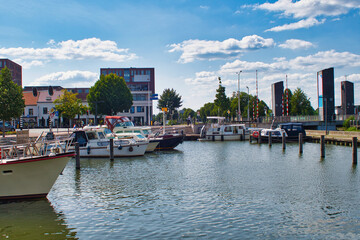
(32, 220)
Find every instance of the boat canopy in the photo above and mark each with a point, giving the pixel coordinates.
(113, 121)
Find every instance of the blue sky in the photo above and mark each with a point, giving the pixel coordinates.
(190, 43)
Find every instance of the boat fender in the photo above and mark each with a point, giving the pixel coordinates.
(255, 134)
(119, 147)
(131, 149)
(88, 150)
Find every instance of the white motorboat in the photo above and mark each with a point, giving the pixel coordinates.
(264, 134)
(166, 141)
(30, 170)
(138, 137)
(94, 143)
(219, 131)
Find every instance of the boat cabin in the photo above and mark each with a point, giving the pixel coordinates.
(293, 129)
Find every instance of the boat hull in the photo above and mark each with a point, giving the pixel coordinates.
(169, 142)
(151, 146)
(218, 137)
(119, 151)
(31, 177)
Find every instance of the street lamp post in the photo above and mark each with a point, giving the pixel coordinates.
(248, 112)
(239, 110)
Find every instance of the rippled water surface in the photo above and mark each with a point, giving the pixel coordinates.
(204, 190)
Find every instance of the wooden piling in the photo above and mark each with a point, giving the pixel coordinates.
(270, 139)
(283, 141)
(111, 149)
(322, 146)
(300, 143)
(354, 150)
(77, 156)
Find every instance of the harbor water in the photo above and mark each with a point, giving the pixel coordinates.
(203, 190)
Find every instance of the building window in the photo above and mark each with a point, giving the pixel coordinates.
(132, 109)
(86, 90)
(45, 110)
(127, 75)
(139, 109)
(139, 97)
(31, 112)
(148, 72)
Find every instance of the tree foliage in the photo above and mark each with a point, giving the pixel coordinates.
(11, 98)
(169, 99)
(69, 105)
(222, 102)
(300, 104)
(110, 95)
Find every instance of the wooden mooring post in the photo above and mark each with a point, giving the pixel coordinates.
(77, 156)
(283, 141)
(270, 139)
(354, 150)
(111, 149)
(322, 146)
(300, 143)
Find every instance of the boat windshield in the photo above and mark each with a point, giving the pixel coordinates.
(124, 124)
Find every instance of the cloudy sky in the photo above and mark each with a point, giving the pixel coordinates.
(190, 43)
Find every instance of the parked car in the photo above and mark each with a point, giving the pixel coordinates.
(8, 127)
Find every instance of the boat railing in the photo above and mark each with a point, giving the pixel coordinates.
(169, 130)
(34, 149)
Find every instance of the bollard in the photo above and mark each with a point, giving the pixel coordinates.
(250, 138)
(270, 139)
(354, 149)
(283, 141)
(77, 156)
(300, 143)
(322, 146)
(111, 149)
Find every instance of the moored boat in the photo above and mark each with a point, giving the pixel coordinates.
(93, 143)
(166, 140)
(219, 131)
(30, 170)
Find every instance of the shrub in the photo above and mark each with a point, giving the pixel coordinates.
(346, 123)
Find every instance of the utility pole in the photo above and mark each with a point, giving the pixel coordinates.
(238, 95)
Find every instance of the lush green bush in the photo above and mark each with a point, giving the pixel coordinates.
(351, 129)
(346, 123)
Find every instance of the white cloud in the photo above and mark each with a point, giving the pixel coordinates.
(308, 10)
(311, 8)
(313, 62)
(296, 44)
(68, 79)
(211, 50)
(297, 25)
(91, 48)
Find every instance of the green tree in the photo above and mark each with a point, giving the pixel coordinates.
(186, 113)
(109, 95)
(222, 102)
(300, 104)
(11, 98)
(69, 105)
(169, 99)
(207, 110)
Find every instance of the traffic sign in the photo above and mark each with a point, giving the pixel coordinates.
(154, 98)
(154, 95)
(164, 109)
